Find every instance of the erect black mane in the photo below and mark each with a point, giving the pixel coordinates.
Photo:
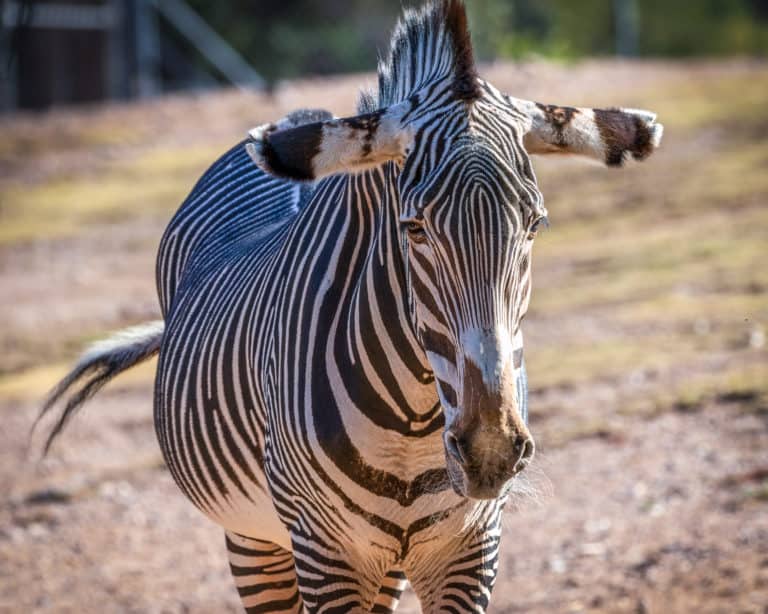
(465, 83)
(428, 45)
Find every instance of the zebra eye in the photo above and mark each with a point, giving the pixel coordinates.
(415, 231)
(543, 220)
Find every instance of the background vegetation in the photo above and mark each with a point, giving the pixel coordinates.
(293, 37)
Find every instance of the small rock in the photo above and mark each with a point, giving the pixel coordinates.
(593, 549)
(702, 327)
(37, 530)
(557, 565)
(598, 526)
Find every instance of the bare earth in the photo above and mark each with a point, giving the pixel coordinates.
(645, 343)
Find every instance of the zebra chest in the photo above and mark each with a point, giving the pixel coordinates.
(359, 450)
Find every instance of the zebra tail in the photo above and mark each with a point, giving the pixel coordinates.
(98, 365)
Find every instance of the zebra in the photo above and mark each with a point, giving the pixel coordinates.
(341, 383)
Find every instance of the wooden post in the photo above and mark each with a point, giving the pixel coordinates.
(147, 49)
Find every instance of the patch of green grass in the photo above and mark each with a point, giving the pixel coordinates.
(67, 132)
(732, 173)
(100, 135)
(699, 313)
(156, 182)
(757, 492)
(656, 266)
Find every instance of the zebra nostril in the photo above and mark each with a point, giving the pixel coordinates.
(526, 448)
(455, 448)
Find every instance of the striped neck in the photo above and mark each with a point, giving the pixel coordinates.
(379, 322)
(375, 409)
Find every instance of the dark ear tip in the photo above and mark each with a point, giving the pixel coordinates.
(625, 132)
(647, 138)
(641, 147)
(286, 153)
(615, 158)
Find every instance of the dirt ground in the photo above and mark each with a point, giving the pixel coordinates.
(645, 344)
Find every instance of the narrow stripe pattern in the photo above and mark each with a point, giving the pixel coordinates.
(321, 339)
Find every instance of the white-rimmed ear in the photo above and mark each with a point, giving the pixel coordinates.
(608, 135)
(318, 149)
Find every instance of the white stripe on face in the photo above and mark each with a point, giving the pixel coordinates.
(490, 350)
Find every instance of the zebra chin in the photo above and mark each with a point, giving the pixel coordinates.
(483, 460)
(477, 484)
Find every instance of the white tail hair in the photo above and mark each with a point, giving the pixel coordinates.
(100, 363)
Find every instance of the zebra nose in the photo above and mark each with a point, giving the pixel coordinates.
(524, 449)
(456, 447)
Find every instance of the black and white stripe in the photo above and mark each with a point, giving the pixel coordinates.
(341, 384)
(294, 387)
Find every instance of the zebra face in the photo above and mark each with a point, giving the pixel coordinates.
(467, 206)
(470, 219)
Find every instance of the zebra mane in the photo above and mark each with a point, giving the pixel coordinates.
(427, 46)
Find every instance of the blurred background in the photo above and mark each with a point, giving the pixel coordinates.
(645, 340)
(63, 52)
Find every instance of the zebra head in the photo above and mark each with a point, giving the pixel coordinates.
(470, 214)
(466, 206)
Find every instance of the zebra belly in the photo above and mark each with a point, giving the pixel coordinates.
(252, 516)
(208, 418)
(234, 494)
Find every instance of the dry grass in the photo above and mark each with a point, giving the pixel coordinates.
(30, 385)
(647, 327)
(152, 183)
(669, 253)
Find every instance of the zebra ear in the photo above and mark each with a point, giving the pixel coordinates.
(315, 150)
(609, 135)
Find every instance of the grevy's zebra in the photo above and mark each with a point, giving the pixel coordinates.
(341, 383)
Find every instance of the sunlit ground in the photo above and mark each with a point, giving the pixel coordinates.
(649, 308)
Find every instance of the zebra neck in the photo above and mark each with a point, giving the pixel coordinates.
(368, 379)
(378, 325)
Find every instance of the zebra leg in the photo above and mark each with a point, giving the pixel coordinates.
(390, 592)
(264, 575)
(338, 576)
(458, 578)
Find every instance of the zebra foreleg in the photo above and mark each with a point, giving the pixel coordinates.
(390, 592)
(338, 576)
(264, 574)
(459, 578)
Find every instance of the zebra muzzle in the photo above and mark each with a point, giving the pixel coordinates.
(481, 463)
